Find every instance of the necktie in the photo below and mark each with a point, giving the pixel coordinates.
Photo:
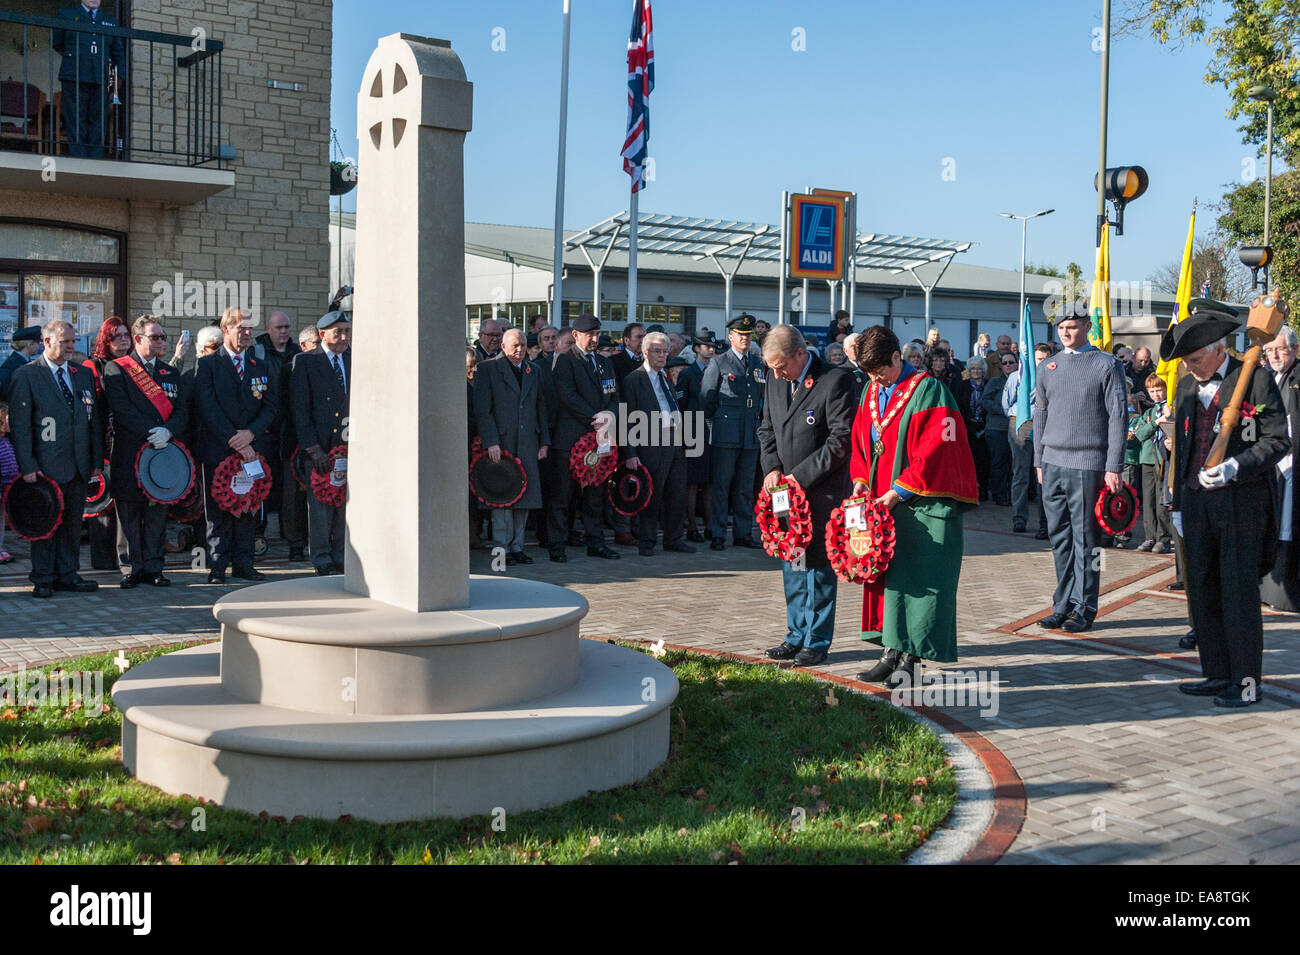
(67, 392)
(668, 395)
(594, 370)
(338, 373)
(239, 365)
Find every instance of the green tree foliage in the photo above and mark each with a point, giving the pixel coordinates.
(1242, 219)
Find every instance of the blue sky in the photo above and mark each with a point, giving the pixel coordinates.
(879, 99)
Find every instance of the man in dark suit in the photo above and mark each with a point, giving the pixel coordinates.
(587, 391)
(87, 59)
(26, 345)
(322, 381)
(731, 397)
(144, 395)
(54, 420)
(1281, 588)
(511, 414)
(1224, 513)
(488, 344)
(235, 403)
(287, 499)
(806, 433)
(629, 358)
(652, 409)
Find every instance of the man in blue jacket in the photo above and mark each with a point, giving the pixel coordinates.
(731, 397)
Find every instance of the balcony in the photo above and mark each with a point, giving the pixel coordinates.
(142, 117)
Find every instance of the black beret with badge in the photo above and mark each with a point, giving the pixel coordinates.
(330, 319)
(1207, 322)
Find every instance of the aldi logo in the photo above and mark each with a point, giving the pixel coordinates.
(817, 251)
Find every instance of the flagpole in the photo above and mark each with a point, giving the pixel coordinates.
(633, 223)
(557, 302)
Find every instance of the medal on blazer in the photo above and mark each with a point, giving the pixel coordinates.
(895, 406)
(257, 386)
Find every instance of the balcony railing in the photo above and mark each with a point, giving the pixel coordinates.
(81, 89)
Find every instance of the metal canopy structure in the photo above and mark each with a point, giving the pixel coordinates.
(728, 243)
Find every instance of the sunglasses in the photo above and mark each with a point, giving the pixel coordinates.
(158, 338)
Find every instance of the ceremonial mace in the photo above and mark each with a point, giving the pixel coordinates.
(1268, 313)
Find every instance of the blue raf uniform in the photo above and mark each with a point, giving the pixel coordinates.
(83, 76)
(731, 397)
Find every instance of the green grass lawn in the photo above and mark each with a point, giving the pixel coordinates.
(763, 769)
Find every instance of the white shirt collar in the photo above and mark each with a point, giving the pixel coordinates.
(229, 354)
(52, 366)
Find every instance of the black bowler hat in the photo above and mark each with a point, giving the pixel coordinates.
(499, 483)
(586, 322)
(1117, 510)
(743, 323)
(35, 510)
(30, 334)
(165, 473)
(628, 490)
(98, 498)
(1207, 322)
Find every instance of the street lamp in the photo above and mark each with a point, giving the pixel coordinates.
(1266, 94)
(1024, 229)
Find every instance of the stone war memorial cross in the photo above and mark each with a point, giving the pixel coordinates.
(408, 688)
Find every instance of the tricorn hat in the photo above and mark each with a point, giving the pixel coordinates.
(35, 510)
(165, 473)
(1117, 510)
(497, 483)
(1207, 322)
(629, 489)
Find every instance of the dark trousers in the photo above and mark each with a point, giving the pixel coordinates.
(59, 557)
(1023, 475)
(1069, 496)
(327, 526)
(230, 538)
(733, 492)
(108, 547)
(144, 524)
(85, 110)
(979, 450)
(667, 467)
(1156, 522)
(293, 506)
(591, 500)
(999, 466)
(1223, 530)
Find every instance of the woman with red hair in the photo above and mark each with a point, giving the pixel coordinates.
(107, 543)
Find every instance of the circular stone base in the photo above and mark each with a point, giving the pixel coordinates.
(184, 733)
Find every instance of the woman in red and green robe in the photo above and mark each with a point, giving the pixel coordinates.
(910, 450)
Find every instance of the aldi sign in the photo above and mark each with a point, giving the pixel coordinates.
(817, 249)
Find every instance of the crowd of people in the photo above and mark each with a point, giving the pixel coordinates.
(266, 414)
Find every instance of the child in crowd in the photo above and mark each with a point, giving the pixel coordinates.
(1156, 521)
(8, 474)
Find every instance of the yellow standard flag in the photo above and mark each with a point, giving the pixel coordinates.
(1099, 333)
(1168, 370)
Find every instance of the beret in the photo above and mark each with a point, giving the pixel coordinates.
(332, 318)
(586, 322)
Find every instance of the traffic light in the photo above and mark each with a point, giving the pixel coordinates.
(1256, 257)
(1123, 185)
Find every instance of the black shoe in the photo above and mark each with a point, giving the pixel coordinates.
(1052, 621)
(1233, 698)
(786, 651)
(1018, 527)
(748, 542)
(679, 548)
(297, 554)
(600, 550)
(575, 540)
(1176, 585)
(1188, 640)
(809, 658)
(338, 568)
(647, 551)
(77, 585)
(906, 673)
(43, 591)
(155, 580)
(247, 573)
(511, 559)
(128, 582)
(1207, 687)
(886, 665)
(1042, 534)
(717, 544)
(694, 536)
(216, 576)
(1076, 624)
(522, 558)
(324, 570)
(557, 556)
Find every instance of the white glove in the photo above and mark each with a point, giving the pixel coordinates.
(158, 437)
(1219, 475)
(1177, 517)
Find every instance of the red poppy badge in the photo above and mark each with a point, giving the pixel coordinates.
(807, 382)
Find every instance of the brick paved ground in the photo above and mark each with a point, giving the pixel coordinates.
(1118, 765)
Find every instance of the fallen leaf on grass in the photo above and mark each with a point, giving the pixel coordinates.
(174, 859)
(37, 823)
(8, 715)
(593, 842)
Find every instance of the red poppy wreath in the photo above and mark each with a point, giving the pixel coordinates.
(223, 486)
(791, 543)
(331, 488)
(861, 554)
(586, 466)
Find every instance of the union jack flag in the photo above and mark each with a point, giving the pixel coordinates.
(640, 81)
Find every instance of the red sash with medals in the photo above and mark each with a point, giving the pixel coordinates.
(151, 389)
